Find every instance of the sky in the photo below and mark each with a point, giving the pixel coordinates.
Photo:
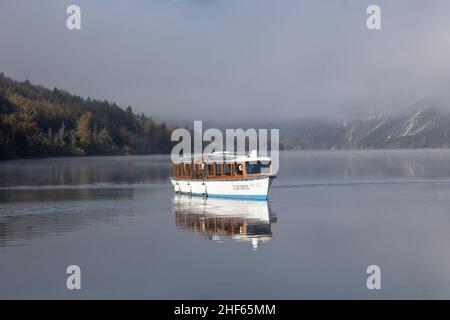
(222, 60)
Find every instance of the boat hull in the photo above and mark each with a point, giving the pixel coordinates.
(239, 188)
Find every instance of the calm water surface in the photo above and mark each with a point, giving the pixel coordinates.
(330, 215)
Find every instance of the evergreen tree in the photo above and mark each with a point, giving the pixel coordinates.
(35, 121)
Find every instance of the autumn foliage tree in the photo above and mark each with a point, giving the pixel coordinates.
(37, 122)
(83, 129)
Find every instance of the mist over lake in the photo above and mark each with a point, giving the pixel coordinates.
(330, 214)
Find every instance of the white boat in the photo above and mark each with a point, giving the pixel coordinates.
(224, 175)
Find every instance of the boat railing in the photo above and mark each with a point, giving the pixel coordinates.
(218, 156)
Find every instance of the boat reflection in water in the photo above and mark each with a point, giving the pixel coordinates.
(225, 219)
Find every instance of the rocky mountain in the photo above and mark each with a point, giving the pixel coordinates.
(418, 127)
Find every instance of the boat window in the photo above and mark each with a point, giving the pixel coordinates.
(253, 167)
(238, 169)
(194, 170)
(265, 167)
(227, 169)
(198, 169)
(203, 166)
(233, 168)
(258, 167)
(218, 169)
(211, 169)
(188, 169)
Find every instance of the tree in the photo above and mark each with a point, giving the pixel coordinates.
(22, 132)
(60, 134)
(26, 117)
(164, 138)
(130, 119)
(83, 129)
(35, 121)
(106, 144)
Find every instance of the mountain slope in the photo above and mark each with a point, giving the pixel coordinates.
(38, 122)
(427, 127)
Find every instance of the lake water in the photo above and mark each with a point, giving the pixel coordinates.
(330, 215)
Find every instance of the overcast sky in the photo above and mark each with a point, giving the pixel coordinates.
(233, 59)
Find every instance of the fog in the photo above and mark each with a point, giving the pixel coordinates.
(222, 60)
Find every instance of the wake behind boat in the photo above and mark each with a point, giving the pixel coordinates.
(225, 175)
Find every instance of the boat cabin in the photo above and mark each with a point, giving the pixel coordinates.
(222, 165)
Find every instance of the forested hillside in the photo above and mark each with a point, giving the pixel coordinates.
(38, 122)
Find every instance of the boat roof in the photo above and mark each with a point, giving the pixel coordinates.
(223, 156)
